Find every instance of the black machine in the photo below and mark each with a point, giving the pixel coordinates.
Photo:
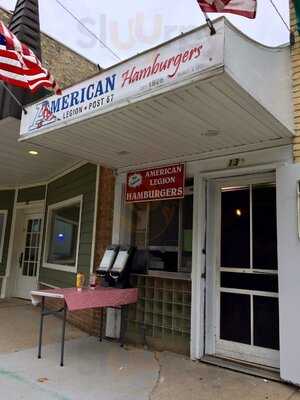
(106, 263)
(115, 266)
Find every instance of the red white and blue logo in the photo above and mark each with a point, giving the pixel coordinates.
(43, 116)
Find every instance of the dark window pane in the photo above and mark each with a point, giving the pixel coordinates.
(235, 321)
(64, 232)
(31, 268)
(163, 224)
(27, 252)
(235, 229)
(264, 227)
(265, 283)
(28, 240)
(29, 225)
(266, 322)
(163, 260)
(35, 239)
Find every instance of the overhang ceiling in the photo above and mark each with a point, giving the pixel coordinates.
(18, 167)
(203, 118)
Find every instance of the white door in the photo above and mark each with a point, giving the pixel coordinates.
(29, 256)
(246, 273)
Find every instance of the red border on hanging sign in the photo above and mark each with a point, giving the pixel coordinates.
(154, 184)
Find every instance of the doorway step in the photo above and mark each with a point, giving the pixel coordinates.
(260, 371)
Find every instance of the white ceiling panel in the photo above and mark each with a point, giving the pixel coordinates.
(172, 125)
(18, 167)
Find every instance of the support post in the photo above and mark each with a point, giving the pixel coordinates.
(63, 336)
(41, 327)
(101, 325)
(124, 318)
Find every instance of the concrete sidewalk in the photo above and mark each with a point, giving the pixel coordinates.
(95, 370)
(20, 326)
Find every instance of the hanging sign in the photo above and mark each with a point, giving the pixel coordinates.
(162, 183)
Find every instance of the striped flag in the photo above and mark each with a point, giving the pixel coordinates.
(245, 8)
(20, 67)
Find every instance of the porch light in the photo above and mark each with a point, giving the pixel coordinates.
(33, 152)
(238, 212)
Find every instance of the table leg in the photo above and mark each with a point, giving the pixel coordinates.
(101, 325)
(63, 336)
(41, 328)
(124, 310)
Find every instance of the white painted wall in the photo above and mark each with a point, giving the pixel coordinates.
(289, 272)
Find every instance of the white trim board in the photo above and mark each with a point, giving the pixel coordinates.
(60, 267)
(10, 247)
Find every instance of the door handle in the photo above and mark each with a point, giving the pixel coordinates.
(21, 260)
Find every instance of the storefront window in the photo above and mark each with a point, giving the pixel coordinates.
(162, 230)
(63, 232)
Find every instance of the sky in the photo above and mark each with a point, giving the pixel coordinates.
(132, 26)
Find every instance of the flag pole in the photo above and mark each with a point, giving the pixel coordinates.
(13, 96)
(209, 23)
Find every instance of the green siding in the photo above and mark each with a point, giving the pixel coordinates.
(7, 198)
(35, 193)
(82, 181)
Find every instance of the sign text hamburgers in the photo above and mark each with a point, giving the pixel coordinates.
(160, 183)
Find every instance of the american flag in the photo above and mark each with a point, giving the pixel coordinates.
(19, 66)
(245, 8)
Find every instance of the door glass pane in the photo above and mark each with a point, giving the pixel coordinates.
(31, 269)
(235, 229)
(264, 227)
(235, 320)
(266, 322)
(31, 251)
(262, 282)
(36, 225)
(25, 268)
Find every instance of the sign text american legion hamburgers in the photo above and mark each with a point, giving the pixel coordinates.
(162, 183)
(142, 76)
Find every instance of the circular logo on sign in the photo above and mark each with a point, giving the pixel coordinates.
(135, 180)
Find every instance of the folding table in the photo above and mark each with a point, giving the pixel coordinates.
(73, 300)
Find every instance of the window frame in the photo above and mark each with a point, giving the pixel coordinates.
(50, 209)
(189, 191)
(2, 241)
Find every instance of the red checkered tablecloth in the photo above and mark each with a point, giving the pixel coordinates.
(88, 298)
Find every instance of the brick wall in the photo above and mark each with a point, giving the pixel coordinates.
(105, 212)
(295, 54)
(67, 66)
